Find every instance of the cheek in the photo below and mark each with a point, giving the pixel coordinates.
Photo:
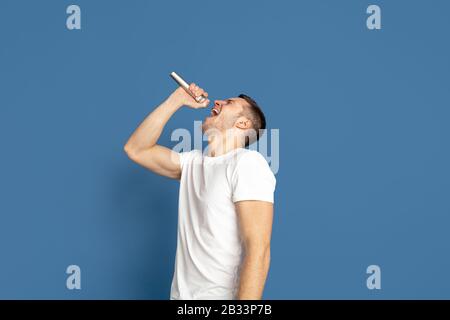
(226, 115)
(228, 120)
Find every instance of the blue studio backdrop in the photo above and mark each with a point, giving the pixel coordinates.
(362, 114)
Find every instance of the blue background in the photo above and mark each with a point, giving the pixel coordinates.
(364, 154)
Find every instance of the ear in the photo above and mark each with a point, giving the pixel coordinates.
(243, 123)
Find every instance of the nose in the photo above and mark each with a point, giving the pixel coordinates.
(218, 103)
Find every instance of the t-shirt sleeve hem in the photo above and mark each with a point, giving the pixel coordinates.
(266, 198)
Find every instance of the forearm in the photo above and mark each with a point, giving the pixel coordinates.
(149, 131)
(253, 275)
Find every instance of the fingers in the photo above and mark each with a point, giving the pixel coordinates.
(203, 104)
(197, 91)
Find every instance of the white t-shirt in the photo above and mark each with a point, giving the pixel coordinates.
(209, 248)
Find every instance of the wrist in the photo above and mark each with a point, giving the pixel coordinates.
(174, 101)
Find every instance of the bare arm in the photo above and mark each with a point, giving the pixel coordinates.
(255, 221)
(141, 146)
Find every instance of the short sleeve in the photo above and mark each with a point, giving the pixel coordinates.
(187, 157)
(253, 179)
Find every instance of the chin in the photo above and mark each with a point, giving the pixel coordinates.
(205, 127)
(207, 124)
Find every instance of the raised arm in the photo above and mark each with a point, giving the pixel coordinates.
(141, 147)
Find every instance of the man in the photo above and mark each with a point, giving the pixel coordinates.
(225, 199)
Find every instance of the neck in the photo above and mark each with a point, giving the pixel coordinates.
(221, 144)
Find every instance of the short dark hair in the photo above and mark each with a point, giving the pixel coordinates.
(256, 116)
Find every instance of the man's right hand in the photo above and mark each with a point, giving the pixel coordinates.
(182, 98)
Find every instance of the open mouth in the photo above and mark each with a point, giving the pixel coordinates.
(215, 111)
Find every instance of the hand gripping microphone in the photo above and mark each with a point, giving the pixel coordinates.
(185, 86)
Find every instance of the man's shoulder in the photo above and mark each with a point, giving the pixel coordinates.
(251, 156)
(251, 161)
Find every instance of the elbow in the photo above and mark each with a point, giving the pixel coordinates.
(130, 151)
(127, 149)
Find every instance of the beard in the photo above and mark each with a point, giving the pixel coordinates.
(211, 124)
(218, 123)
(211, 129)
(206, 126)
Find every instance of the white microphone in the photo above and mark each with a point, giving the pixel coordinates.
(185, 86)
